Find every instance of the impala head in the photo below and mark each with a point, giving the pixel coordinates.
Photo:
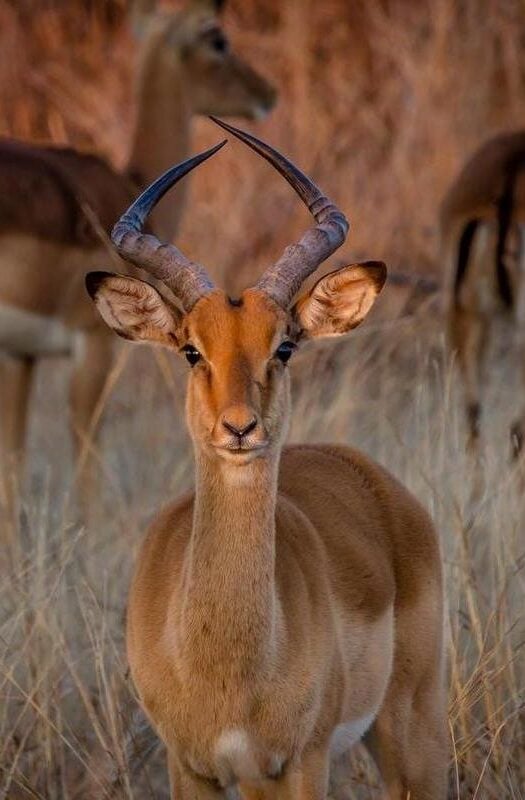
(194, 49)
(238, 394)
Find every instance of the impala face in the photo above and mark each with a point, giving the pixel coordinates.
(238, 400)
(224, 83)
(238, 390)
(194, 46)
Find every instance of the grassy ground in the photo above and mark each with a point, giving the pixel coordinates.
(381, 109)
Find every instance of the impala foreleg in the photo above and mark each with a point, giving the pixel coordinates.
(93, 361)
(312, 781)
(517, 431)
(185, 786)
(15, 382)
(409, 740)
(468, 333)
(307, 781)
(409, 747)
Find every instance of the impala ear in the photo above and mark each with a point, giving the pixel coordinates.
(134, 309)
(340, 300)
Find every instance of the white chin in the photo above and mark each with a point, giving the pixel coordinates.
(240, 458)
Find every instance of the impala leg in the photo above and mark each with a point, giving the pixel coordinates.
(409, 737)
(314, 776)
(184, 786)
(517, 431)
(409, 744)
(93, 360)
(15, 382)
(468, 332)
(308, 781)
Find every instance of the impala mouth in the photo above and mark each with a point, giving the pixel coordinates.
(243, 448)
(241, 453)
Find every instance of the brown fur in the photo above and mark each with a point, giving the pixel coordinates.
(475, 192)
(54, 184)
(296, 589)
(57, 206)
(481, 249)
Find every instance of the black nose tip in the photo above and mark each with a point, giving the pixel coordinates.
(240, 431)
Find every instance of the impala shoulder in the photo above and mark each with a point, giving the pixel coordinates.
(346, 464)
(407, 530)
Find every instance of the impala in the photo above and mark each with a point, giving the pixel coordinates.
(481, 236)
(292, 603)
(57, 204)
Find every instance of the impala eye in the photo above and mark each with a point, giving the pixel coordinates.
(216, 40)
(219, 43)
(192, 354)
(284, 351)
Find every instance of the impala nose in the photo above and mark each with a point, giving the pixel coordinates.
(238, 429)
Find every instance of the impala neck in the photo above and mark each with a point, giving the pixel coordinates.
(161, 135)
(228, 616)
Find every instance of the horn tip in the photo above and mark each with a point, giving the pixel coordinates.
(211, 152)
(221, 123)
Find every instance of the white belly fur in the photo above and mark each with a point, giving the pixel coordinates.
(23, 333)
(345, 736)
(237, 758)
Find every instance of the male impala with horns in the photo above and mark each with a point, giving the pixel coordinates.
(291, 604)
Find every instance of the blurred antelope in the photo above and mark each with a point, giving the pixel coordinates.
(293, 603)
(56, 205)
(482, 219)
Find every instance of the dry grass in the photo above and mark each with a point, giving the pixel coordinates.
(70, 728)
(381, 101)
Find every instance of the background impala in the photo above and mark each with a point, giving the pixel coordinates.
(481, 230)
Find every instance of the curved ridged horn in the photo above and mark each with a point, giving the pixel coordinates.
(284, 278)
(187, 280)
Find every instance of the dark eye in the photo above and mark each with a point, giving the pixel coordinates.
(218, 42)
(192, 354)
(284, 351)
